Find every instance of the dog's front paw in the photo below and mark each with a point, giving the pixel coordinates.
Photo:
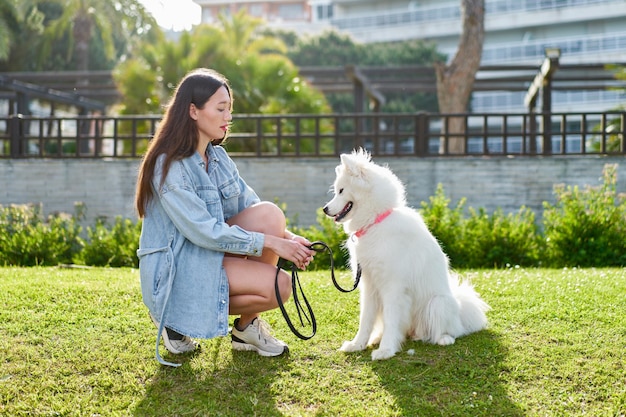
(350, 346)
(445, 340)
(380, 354)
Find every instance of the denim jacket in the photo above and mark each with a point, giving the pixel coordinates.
(183, 239)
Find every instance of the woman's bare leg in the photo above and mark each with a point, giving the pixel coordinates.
(251, 280)
(252, 287)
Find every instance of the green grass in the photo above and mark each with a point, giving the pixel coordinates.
(78, 342)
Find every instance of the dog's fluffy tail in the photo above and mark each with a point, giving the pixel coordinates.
(472, 307)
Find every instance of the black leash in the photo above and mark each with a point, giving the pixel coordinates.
(296, 287)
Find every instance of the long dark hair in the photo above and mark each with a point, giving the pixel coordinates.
(177, 134)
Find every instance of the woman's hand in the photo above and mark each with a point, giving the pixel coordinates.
(306, 243)
(299, 239)
(294, 248)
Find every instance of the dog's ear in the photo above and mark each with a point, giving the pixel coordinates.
(345, 159)
(349, 163)
(355, 166)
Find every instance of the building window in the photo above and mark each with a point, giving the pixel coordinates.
(255, 10)
(324, 12)
(291, 11)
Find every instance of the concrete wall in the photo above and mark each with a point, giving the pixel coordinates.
(107, 186)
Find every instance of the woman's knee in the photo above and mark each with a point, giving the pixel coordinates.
(284, 285)
(271, 218)
(263, 217)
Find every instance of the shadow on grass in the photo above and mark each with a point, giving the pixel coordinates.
(235, 384)
(462, 379)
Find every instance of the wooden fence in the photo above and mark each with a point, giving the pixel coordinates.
(307, 135)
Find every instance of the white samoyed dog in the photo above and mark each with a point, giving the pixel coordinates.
(406, 288)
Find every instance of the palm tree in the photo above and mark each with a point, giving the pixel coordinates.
(263, 79)
(8, 27)
(113, 22)
(256, 64)
(242, 33)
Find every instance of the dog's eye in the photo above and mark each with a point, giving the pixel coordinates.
(340, 190)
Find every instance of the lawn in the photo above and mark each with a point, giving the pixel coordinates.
(78, 342)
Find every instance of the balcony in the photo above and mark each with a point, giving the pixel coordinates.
(426, 22)
(606, 47)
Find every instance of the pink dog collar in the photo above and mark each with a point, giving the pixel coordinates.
(379, 218)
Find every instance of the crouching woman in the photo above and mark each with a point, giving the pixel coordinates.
(209, 246)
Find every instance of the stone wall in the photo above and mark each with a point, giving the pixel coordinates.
(303, 184)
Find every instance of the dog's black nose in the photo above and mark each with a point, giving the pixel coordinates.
(325, 209)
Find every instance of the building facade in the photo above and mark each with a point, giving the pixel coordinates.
(288, 15)
(517, 32)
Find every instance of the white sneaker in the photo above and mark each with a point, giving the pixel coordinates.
(175, 342)
(256, 337)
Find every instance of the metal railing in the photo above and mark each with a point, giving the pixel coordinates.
(307, 135)
(446, 12)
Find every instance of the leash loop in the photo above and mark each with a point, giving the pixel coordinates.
(296, 287)
(319, 247)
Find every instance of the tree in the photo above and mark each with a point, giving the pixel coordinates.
(111, 24)
(258, 70)
(411, 52)
(332, 48)
(10, 25)
(263, 79)
(455, 81)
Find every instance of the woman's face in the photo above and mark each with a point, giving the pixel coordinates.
(214, 118)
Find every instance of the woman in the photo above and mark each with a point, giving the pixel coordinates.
(208, 247)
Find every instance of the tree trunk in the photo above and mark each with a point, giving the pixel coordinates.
(82, 36)
(456, 80)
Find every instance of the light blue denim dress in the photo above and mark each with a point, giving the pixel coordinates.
(183, 239)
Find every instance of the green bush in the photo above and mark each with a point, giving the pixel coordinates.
(583, 228)
(482, 240)
(448, 226)
(501, 239)
(27, 239)
(587, 227)
(114, 246)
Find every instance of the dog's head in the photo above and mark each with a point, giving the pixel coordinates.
(363, 186)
